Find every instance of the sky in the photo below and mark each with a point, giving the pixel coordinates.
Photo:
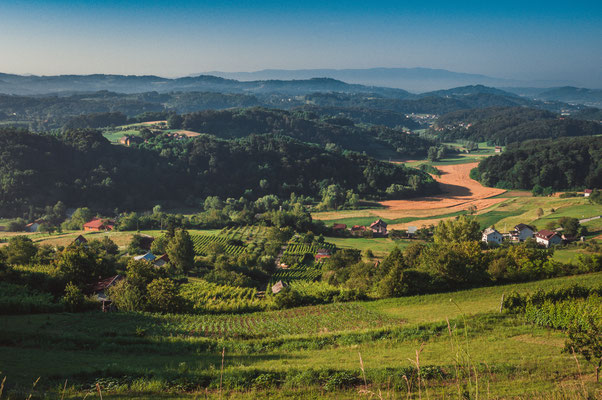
(530, 40)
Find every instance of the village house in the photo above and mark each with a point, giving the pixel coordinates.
(322, 253)
(358, 230)
(80, 241)
(548, 238)
(521, 233)
(34, 226)
(491, 235)
(148, 256)
(99, 290)
(99, 224)
(161, 261)
(339, 227)
(129, 140)
(379, 228)
(587, 192)
(498, 149)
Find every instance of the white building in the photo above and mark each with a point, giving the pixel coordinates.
(491, 235)
(521, 233)
(548, 238)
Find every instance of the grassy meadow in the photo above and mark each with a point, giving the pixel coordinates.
(307, 352)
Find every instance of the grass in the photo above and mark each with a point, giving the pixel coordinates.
(160, 352)
(380, 246)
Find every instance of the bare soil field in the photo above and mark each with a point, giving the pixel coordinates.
(187, 133)
(458, 189)
(459, 193)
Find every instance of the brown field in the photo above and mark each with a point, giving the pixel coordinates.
(187, 133)
(153, 122)
(458, 190)
(459, 193)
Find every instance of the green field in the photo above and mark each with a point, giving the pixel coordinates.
(300, 351)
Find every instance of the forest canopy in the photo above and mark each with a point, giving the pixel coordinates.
(81, 168)
(571, 163)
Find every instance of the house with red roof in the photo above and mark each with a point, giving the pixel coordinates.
(548, 238)
(99, 224)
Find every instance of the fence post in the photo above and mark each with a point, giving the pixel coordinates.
(502, 303)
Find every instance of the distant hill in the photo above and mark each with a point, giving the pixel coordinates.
(567, 94)
(469, 90)
(502, 126)
(68, 84)
(417, 80)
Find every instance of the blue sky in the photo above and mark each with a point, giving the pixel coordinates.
(508, 39)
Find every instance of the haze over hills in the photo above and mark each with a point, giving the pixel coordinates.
(416, 80)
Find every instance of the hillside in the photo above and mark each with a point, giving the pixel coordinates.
(82, 168)
(340, 132)
(501, 126)
(572, 163)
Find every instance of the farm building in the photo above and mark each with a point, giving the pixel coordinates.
(278, 286)
(80, 240)
(379, 227)
(148, 256)
(491, 235)
(339, 227)
(322, 253)
(587, 192)
(161, 261)
(358, 230)
(548, 238)
(34, 226)
(129, 140)
(99, 290)
(99, 224)
(498, 149)
(521, 233)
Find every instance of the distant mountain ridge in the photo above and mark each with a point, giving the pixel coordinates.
(417, 80)
(59, 84)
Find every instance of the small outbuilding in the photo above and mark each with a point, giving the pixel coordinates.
(379, 227)
(278, 286)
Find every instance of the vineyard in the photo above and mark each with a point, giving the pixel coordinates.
(206, 297)
(203, 243)
(303, 320)
(231, 241)
(300, 259)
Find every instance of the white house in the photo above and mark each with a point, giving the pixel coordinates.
(490, 235)
(548, 238)
(521, 233)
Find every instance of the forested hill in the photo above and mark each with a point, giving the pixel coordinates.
(571, 163)
(81, 168)
(306, 126)
(501, 126)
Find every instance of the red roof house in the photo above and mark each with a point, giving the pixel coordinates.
(548, 238)
(339, 227)
(99, 224)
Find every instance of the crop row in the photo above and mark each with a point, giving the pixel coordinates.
(304, 320)
(203, 242)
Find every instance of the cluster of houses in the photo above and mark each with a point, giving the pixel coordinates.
(522, 232)
(378, 229)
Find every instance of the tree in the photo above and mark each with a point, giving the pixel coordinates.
(78, 219)
(175, 121)
(159, 245)
(181, 251)
(74, 298)
(162, 295)
(137, 245)
(570, 226)
(81, 265)
(127, 296)
(461, 229)
(140, 273)
(20, 250)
